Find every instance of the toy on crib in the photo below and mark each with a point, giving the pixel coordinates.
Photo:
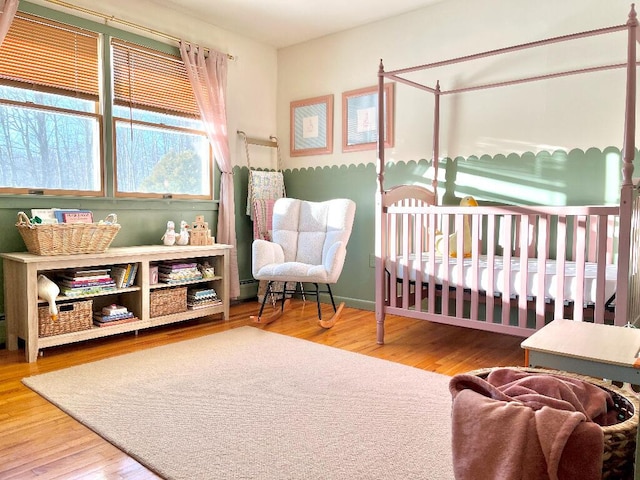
(169, 237)
(183, 236)
(48, 291)
(467, 201)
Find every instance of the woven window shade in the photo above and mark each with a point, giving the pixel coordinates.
(53, 55)
(148, 79)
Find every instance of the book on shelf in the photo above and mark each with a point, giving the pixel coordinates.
(73, 216)
(206, 304)
(124, 275)
(172, 266)
(46, 215)
(85, 272)
(201, 293)
(115, 322)
(203, 303)
(99, 317)
(177, 276)
(85, 282)
(131, 278)
(81, 291)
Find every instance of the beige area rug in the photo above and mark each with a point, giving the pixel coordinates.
(250, 404)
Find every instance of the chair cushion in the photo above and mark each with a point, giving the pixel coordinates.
(293, 272)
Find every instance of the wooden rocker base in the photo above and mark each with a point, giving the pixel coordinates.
(267, 319)
(332, 321)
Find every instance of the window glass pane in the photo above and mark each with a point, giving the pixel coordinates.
(44, 148)
(159, 159)
(48, 99)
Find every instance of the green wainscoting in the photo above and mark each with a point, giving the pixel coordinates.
(574, 178)
(590, 177)
(142, 222)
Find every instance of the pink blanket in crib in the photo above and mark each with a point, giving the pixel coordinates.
(527, 426)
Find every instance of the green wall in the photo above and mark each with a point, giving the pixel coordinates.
(142, 222)
(574, 178)
(577, 177)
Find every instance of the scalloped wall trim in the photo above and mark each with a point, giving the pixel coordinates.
(555, 178)
(527, 156)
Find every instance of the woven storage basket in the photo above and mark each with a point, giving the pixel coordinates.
(619, 439)
(72, 317)
(167, 301)
(67, 238)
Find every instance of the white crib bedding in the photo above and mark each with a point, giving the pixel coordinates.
(532, 284)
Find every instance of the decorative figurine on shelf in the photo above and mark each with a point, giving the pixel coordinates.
(169, 237)
(183, 237)
(48, 291)
(200, 233)
(206, 270)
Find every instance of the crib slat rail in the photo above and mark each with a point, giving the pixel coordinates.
(546, 262)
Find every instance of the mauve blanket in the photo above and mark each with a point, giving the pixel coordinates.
(527, 426)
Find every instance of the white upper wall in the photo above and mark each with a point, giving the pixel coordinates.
(573, 112)
(252, 77)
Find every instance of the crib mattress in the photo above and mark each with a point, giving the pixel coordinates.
(515, 284)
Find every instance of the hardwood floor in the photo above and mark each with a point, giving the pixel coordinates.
(37, 440)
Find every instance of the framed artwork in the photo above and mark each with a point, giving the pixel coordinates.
(360, 118)
(312, 126)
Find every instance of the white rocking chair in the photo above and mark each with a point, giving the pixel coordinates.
(309, 245)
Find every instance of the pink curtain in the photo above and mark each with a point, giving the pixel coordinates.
(208, 77)
(8, 10)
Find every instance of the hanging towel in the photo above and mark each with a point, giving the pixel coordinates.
(264, 185)
(263, 219)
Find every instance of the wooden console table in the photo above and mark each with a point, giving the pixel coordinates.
(601, 351)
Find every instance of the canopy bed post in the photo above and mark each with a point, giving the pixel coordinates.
(626, 308)
(436, 137)
(380, 220)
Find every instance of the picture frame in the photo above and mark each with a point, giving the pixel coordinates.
(311, 126)
(360, 118)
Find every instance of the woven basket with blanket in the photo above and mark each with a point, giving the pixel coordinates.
(538, 424)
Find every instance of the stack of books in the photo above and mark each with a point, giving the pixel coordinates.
(60, 215)
(202, 298)
(124, 275)
(84, 281)
(113, 315)
(178, 271)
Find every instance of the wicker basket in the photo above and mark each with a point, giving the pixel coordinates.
(167, 301)
(67, 238)
(72, 317)
(619, 439)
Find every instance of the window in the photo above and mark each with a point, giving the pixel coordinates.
(54, 112)
(50, 126)
(161, 147)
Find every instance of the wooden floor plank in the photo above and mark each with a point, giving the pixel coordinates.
(37, 440)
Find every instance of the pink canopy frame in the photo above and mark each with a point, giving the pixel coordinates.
(627, 198)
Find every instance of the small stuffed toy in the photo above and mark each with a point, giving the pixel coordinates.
(183, 236)
(467, 201)
(169, 237)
